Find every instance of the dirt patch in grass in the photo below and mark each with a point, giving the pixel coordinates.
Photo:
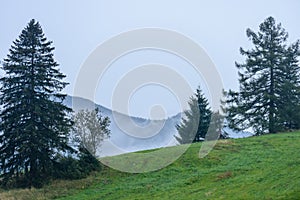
(224, 175)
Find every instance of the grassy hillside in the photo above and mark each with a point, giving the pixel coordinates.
(265, 167)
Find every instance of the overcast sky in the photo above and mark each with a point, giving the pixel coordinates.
(78, 27)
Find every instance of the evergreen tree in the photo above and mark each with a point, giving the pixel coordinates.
(188, 127)
(205, 115)
(34, 122)
(289, 101)
(262, 99)
(196, 120)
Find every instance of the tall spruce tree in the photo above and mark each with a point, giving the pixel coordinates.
(269, 70)
(205, 115)
(196, 120)
(34, 122)
(289, 101)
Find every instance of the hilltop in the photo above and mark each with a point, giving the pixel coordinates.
(262, 167)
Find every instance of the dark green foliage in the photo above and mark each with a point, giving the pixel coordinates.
(268, 100)
(196, 121)
(87, 161)
(289, 102)
(188, 127)
(67, 168)
(205, 115)
(76, 168)
(34, 122)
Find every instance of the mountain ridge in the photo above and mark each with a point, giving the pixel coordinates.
(130, 133)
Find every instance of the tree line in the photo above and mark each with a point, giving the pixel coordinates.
(268, 100)
(36, 127)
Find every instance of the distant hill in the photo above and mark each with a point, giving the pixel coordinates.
(121, 142)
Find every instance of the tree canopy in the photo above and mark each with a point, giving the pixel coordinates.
(268, 97)
(90, 129)
(34, 122)
(196, 120)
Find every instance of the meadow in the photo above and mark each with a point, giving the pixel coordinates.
(261, 167)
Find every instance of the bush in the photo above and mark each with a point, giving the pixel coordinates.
(76, 168)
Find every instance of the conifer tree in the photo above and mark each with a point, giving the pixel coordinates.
(196, 120)
(34, 122)
(188, 127)
(289, 101)
(205, 115)
(269, 70)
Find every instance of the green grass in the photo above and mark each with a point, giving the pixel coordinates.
(265, 167)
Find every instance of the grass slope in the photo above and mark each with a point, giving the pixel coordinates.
(265, 167)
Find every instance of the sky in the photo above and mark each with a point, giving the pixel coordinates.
(77, 28)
